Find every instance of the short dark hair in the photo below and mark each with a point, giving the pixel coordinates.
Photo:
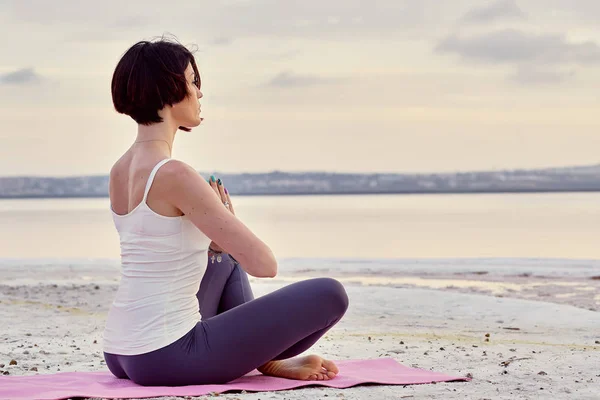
(150, 76)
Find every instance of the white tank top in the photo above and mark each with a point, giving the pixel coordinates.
(163, 260)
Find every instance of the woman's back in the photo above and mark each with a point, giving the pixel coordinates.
(128, 178)
(163, 259)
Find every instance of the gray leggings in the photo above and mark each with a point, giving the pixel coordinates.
(238, 333)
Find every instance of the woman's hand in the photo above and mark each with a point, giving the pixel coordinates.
(221, 191)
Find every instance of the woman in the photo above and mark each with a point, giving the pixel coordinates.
(184, 312)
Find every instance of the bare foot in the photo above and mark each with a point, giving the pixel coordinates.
(309, 368)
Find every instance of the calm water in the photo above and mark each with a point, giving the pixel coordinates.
(563, 225)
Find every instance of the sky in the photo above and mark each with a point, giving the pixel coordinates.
(330, 85)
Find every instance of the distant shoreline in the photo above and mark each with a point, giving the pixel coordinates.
(277, 183)
(337, 193)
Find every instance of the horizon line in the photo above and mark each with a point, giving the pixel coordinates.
(331, 172)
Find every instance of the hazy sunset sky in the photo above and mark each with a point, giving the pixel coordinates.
(336, 85)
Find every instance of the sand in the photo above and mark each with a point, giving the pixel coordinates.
(519, 337)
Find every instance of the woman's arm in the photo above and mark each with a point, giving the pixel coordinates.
(191, 194)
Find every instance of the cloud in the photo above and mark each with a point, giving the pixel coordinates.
(229, 18)
(501, 9)
(513, 46)
(535, 75)
(288, 79)
(313, 18)
(577, 11)
(20, 77)
(130, 22)
(222, 41)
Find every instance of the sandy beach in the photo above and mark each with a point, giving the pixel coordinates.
(518, 336)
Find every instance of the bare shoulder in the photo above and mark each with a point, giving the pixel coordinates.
(119, 175)
(119, 168)
(176, 172)
(178, 167)
(183, 186)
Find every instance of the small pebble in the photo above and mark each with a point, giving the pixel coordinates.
(12, 362)
(542, 373)
(33, 369)
(487, 335)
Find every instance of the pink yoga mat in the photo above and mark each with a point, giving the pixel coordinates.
(62, 385)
